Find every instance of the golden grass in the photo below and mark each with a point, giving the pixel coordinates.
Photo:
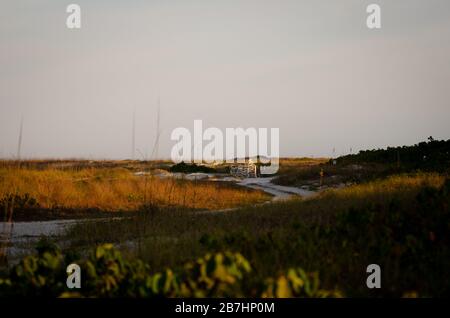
(304, 161)
(118, 190)
(393, 187)
(292, 165)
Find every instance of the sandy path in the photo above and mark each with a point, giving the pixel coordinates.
(21, 237)
(279, 192)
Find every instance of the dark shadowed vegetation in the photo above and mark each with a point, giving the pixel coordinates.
(107, 274)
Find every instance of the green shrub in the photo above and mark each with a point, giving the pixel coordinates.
(296, 283)
(105, 273)
(38, 275)
(191, 168)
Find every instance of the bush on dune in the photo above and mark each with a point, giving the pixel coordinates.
(107, 274)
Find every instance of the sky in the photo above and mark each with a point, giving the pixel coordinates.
(310, 68)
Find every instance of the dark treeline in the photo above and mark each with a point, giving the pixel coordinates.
(433, 155)
(191, 168)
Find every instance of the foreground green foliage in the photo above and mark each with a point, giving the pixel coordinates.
(107, 274)
(296, 283)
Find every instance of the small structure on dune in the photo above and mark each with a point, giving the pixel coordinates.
(251, 168)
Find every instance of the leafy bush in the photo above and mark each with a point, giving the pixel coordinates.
(296, 283)
(190, 168)
(39, 275)
(214, 275)
(105, 273)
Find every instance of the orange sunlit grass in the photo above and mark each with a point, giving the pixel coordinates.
(119, 190)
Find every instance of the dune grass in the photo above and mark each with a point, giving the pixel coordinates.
(117, 189)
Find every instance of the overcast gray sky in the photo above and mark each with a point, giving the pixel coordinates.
(311, 68)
